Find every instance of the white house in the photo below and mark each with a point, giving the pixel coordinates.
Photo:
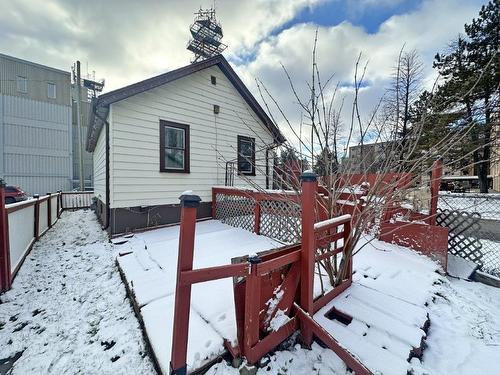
(182, 130)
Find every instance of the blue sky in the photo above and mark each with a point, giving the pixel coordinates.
(369, 16)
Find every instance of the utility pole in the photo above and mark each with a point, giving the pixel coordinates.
(79, 124)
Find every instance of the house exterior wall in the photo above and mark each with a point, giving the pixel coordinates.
(135, 178)
(35, 130)
(99, 167)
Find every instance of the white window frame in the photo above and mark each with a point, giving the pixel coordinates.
(49, 85)
(20, 80)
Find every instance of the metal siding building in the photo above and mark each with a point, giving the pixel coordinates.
(36, 133)
(87, 156)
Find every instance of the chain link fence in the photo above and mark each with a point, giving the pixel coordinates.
(474, 224)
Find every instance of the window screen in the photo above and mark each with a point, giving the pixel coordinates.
(174, 147)
(246, 155)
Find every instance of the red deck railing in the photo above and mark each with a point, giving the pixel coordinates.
(289, 269)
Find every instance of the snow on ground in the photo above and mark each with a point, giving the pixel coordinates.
(67, 312)
(464, 334)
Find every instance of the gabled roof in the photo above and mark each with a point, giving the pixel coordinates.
(101, 105)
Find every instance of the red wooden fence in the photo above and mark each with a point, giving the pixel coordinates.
(290, 269)
(420, 232)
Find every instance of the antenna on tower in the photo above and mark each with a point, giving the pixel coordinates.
(206, 35)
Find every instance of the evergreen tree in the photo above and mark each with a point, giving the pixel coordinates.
(325, 163)
(471, 73)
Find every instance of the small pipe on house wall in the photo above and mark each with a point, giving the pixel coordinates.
(216, 150)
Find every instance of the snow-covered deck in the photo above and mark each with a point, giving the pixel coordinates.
(387, 299)
(149, 265)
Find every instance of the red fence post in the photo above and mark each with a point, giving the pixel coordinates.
(58, 214)
(5, 274)
(49, 214)
(189, 205)
(37, 216)
(214, 203)
(437, 173)
(309, 183)
(347, 235)
(256, 212)
(252, 307)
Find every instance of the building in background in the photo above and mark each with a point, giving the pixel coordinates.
(35, 118)
(88, 163)
(369, 157)
(38, 143)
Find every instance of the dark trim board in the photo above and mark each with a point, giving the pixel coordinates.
(101, 212)
(130, 219)
(186, 150)
(240, 156)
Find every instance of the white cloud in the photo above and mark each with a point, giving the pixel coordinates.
(340, 45)
(126, 41)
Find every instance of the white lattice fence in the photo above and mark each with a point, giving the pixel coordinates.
(237, 211)
(280, 220)
(271, 214)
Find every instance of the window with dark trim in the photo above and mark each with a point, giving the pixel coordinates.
(246, 155)
(174, 147)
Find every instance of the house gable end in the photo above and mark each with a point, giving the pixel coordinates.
(105, 100)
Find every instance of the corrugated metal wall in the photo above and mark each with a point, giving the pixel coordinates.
(38, 76)
(36, 144)
(87, 156)
(35, 134)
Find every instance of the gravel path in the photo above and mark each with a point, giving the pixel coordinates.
(67, 312)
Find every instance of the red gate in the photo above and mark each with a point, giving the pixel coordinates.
(288, 272)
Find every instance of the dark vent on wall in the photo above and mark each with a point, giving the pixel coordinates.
(216, 109)
(213, 79)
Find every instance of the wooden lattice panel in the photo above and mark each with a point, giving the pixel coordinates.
(461, 240)
(236, 211)
(280, 220)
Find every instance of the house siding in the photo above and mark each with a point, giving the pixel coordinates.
(134, 139)
(99, 161)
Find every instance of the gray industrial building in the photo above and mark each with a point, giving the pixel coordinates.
(88, 164)
(38, 143)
